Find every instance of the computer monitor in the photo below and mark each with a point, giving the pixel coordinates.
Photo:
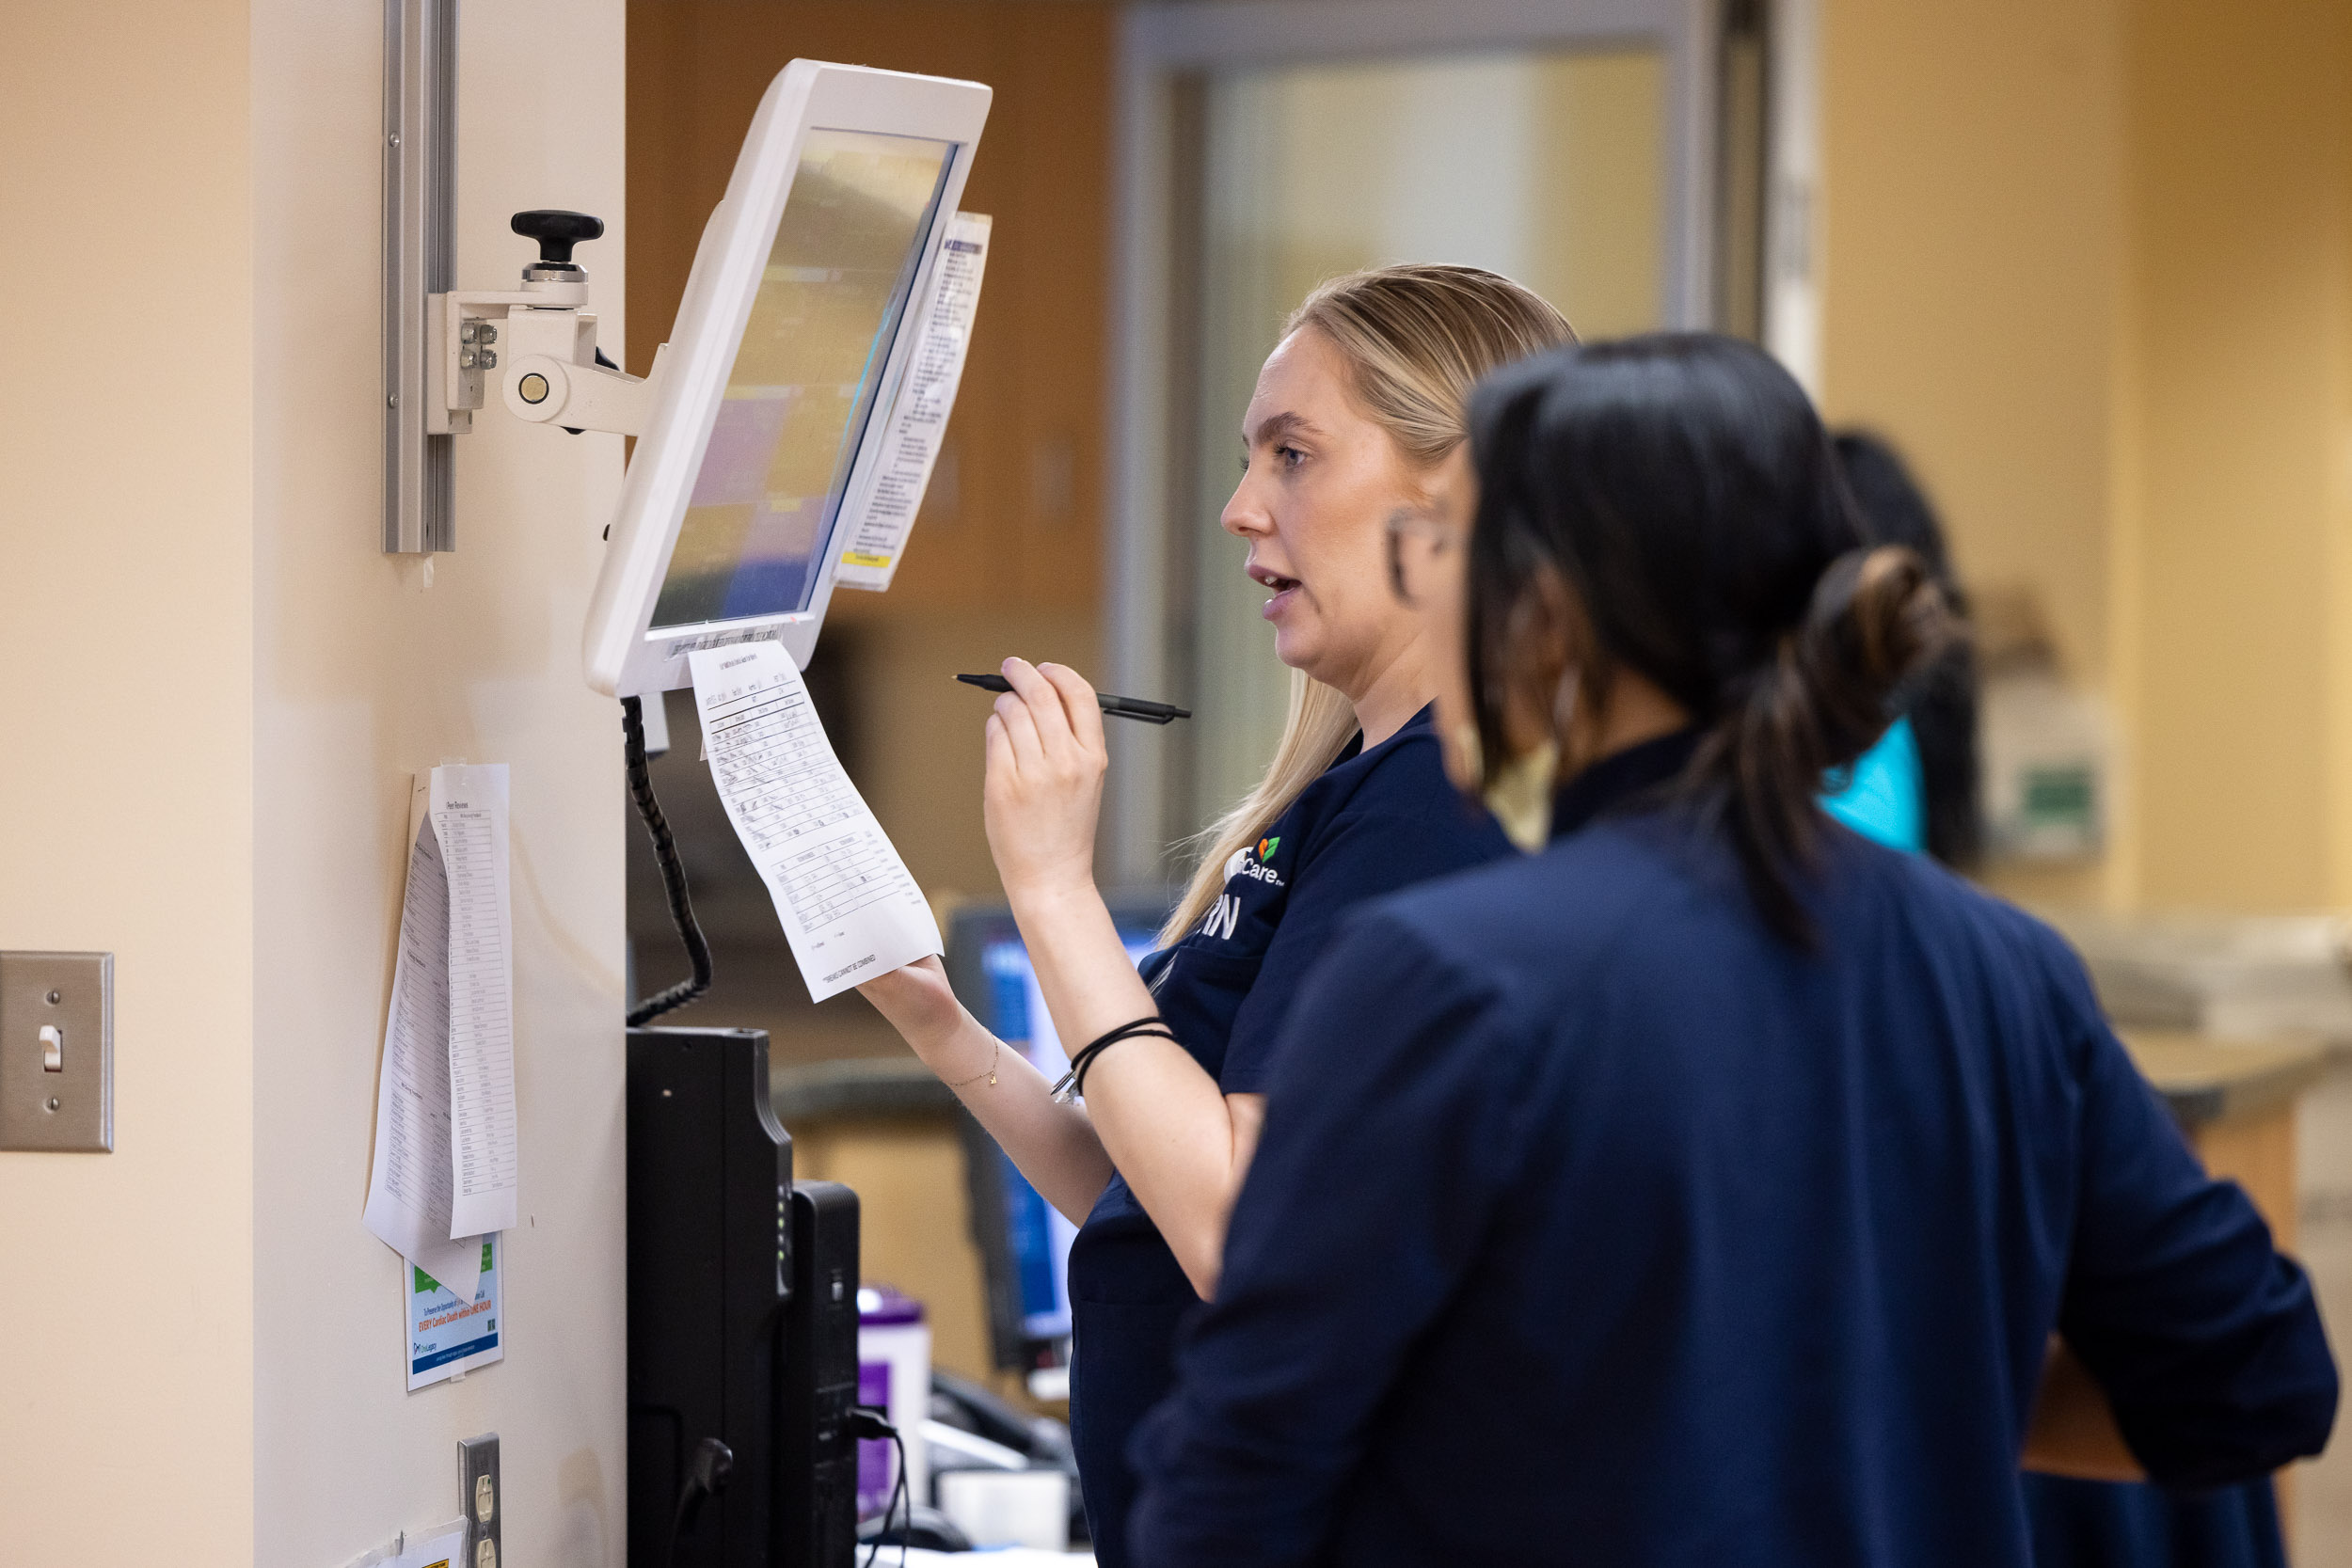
(989, 969)
(798, 320)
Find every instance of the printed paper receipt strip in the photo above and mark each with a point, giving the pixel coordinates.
(918, 415)
(444, 1170)
(849, 907)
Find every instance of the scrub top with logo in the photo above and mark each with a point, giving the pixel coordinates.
(1375, 822)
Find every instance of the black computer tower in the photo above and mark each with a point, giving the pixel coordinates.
(817, 1518)
(709, 1273)
(743, 1317)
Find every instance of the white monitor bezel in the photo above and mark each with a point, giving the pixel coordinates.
(622, 658)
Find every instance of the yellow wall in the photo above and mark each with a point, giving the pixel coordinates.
(2241, 243)
(2088, 262)
(126, 820)
(1971, 210)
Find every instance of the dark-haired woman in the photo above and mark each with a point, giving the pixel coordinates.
(1705, 1188)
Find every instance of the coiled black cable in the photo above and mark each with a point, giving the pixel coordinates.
(868, 1422)
(673, 872)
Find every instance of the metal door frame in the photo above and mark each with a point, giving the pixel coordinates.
(1162, 44)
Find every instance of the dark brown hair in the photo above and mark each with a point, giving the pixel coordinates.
(1682, 491)
(1896, 510)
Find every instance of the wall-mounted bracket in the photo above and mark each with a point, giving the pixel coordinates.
(420, 201)
(538, 338)
(544, 345)
(441, 347)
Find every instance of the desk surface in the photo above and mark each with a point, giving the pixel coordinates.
(861, 1087)
(2206, 1080)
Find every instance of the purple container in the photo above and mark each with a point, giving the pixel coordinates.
(880, 1308)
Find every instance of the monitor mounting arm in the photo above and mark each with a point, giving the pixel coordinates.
(540, 337)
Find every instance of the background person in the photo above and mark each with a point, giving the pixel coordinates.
(1356, 415)
(1922, 793)
(1918, 787)
(1708, 1187)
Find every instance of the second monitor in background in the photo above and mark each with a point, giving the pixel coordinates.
(1025, 1243)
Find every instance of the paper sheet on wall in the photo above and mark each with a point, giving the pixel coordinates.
(849, 906)
(438, 1547)
(444, 1172)
(919, 416)
(439, 1550)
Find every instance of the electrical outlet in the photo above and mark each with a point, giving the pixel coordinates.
(485, 1507)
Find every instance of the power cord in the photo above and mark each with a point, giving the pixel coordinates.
(673, 872)
(866, 1422)
(706, 1476)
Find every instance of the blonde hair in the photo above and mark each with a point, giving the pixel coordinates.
(1415, 338)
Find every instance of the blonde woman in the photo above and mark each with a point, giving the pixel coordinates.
(1355, 431)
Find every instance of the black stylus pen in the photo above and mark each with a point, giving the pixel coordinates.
(1122, 707)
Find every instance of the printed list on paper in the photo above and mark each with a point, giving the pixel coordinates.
(444, 1173)
(850, 910)
(919, 416)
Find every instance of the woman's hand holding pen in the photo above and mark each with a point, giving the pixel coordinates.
(1045, 787)
(1180, 1142)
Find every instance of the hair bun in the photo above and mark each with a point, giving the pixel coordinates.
(1877, 622)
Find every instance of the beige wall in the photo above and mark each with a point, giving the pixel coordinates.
(126, 819)
(363, 675)
(227, 688)
(2089, 264)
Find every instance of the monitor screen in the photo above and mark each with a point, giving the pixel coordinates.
(1039, 1234)
(804, 381)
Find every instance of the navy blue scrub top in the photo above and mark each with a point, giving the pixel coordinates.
(1593, 1223)
(1373, 822)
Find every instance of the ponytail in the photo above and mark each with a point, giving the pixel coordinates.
(1876, 621)
(1670, 506)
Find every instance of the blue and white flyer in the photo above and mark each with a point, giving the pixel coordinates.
(446, 1336)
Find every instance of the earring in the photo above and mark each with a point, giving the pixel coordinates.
(1520, 796)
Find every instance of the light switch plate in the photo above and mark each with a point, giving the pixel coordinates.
(58, 1007)
(482, 1498)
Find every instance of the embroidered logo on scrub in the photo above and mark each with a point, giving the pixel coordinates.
(1224, 916)
(1242, 863)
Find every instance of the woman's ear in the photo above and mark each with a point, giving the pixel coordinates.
(1546, 633)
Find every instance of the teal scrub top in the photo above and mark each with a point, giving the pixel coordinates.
(1884, 795)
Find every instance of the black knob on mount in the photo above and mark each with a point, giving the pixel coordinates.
(557, 233)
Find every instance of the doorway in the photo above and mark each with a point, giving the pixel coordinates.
(1265, 146)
